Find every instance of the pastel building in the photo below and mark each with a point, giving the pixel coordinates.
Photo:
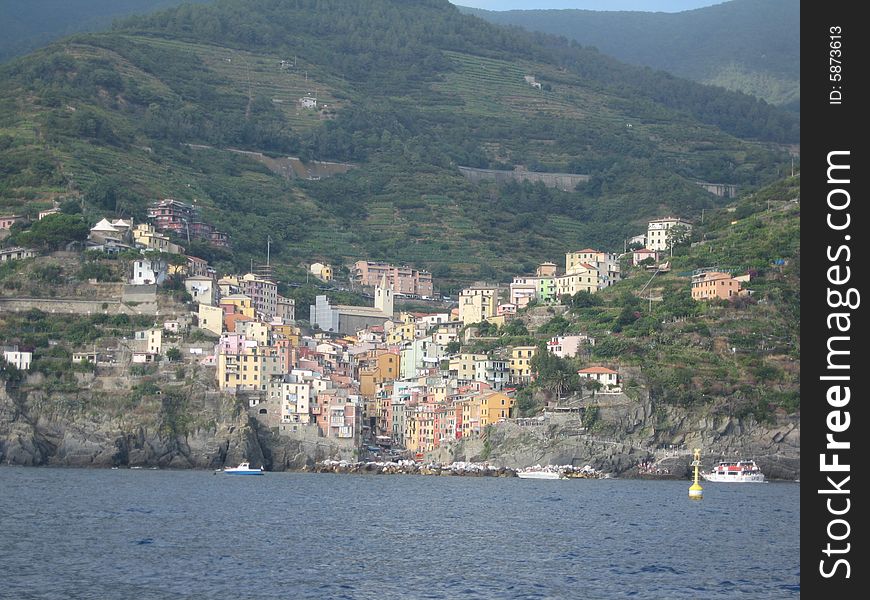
(657, 232)
(477, 303)
(714, 284)
(402, 280)
(520, 364)
(603, 375)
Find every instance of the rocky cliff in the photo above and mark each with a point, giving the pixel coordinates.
(124, 421)
(627, 437)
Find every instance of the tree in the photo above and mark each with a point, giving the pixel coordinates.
(173, 354)
(452, 347)
(676, 236)
(54, 232)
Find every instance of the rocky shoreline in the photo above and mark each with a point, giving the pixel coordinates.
(457, 469)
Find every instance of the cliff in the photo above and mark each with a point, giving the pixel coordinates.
(616, 434)
(125, 421)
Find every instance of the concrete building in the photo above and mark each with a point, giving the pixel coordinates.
(714, 284)
(657, 232)
(322, 271)
(263, 294)
(520, 364)
(20, 359)
(286, 310)
(211, 318)
(605, 264)
(149, 270)
(16, 253)
(477, 303)
(402, 280)
(202, 289)
(568, 346)
(350, 319)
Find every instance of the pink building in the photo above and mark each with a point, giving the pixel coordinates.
(642, 254)
(567, 346)
(6, 221)
(402, 280)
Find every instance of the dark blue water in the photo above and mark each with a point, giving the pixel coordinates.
(148, 535)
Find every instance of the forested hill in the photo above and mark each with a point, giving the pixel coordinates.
(28, 24)
(406, 91)
(747, 45)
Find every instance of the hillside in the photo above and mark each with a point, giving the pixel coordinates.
(752, 46)
(739, 357)
(406, 92)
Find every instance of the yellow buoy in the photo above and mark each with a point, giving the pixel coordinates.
(696, 492)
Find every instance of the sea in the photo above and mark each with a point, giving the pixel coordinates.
(154, 534)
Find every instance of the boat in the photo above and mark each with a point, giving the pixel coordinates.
(540, 473)
(735, 471)
(244, 468)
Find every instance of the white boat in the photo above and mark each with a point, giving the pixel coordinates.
(244, 468)
(735, 471)
(540, 473)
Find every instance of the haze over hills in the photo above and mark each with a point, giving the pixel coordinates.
(406, 93)
(26, 25)
(751, 46)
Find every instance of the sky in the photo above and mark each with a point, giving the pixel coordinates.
(643, 5)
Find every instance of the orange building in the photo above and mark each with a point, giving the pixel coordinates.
(714, 284)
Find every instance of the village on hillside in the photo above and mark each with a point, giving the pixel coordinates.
(392, 381)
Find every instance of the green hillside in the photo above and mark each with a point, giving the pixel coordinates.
(740, 356)
(412, 90)
(752, 46)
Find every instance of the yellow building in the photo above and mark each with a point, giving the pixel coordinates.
(463, 366)
(211, 318)
(255, 330)
(520, 366)
(494, 406)
(470, 410)
(383, 367)
(250, 369)
(244, 305)
(322, 271)
(145, 235)
(583, 278)
(287, 332)
(402, 332)
(477, 303)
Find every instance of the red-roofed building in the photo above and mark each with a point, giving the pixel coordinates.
(603, 375)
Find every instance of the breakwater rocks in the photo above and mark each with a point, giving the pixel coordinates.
(409, 467)
(458, 469)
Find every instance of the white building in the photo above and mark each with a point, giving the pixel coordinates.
(657, 232)
(20, 358)
(147, 271)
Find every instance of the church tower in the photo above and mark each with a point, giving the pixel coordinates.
(384, 297)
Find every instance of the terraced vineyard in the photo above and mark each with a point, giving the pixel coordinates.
(265, 75)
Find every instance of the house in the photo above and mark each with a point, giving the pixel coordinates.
(17, 357)
(16, 253)
(285, 309)
(308, 102)
(477, 303)
(520, 364)
(6, 221)
(657, 232)
(149, 340)
(603, 375)
(714, 284)
(211, 318)
(638, 256)
(49, 211)
(567, 346)
(321, 271)
(104, 231)
(202, 289)
(148, 270)
(402, 280)
(605, 264)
